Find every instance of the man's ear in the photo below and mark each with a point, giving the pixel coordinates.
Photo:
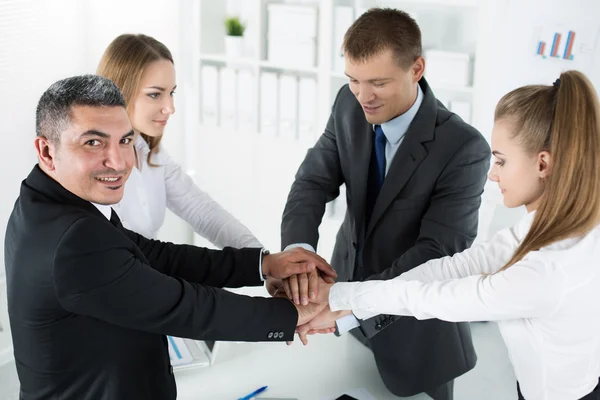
(46, 151)
(418, 69)
(544, 162)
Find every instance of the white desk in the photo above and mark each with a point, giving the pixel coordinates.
(324, 369)
(329, 366)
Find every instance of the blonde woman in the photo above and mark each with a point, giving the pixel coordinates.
(143, 69)
(540, 280)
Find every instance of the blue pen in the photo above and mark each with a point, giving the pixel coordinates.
(251, 395)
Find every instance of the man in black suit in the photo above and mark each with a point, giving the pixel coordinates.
(414, 174)
(90, 302)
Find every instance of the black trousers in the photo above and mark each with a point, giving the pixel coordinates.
(594, 395)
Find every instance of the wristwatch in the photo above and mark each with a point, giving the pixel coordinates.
(264, 252)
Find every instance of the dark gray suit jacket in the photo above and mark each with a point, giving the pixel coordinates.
(427, 208)
(90, 302)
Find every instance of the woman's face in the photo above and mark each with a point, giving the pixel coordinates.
(520, 175)
(153, 103)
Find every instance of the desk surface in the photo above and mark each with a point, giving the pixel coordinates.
(324, 369)
(330, 366)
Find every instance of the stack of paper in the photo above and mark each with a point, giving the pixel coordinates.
(178, 352)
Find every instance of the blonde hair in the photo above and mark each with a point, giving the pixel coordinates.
(124, 62)
(564, 120)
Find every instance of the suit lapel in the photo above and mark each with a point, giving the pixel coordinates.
(408, 157)
(361, 157)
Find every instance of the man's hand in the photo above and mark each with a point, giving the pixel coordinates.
(296, 288)
(306, 313)
(298, 261)
(275, 287)
(322, 323)
(302, 289)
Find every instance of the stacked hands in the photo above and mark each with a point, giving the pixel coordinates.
(305, 278)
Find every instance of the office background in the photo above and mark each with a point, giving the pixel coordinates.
(246, 115)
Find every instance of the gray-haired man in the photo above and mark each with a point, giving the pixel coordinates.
(90, 302)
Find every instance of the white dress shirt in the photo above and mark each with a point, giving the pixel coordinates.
(547, 305)
(394, 131)
(104, 209)
(150, 190)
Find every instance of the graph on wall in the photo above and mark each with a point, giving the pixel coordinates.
(567, 45)
(552, 51)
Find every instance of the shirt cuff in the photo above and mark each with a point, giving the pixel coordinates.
(260, 257)
(305, 246)
(344, 295)
(347, 323)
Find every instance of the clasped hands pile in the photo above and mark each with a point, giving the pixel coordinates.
(306, 279)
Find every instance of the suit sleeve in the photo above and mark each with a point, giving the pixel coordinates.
(449, 225)
(317, 182)
(101, 277)
(219, 268)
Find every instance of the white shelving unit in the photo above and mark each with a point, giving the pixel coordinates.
(450, 25)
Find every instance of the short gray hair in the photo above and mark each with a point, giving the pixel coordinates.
(53, 113)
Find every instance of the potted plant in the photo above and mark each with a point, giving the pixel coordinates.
(234, 39)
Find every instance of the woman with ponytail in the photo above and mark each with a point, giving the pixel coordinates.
(540, 280)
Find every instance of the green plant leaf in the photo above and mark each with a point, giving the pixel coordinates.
(234, 26)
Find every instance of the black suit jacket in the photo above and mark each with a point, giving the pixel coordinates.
(90, 302)
(427, 208)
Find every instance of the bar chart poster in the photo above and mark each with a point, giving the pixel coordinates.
(568, 45)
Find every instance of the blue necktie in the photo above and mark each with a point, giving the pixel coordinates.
(379, 152)
(376, 171)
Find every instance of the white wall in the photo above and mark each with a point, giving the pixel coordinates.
(35, 51)
(508, 48)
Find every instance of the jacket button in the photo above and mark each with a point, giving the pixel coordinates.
(378, 327)
(270, 335)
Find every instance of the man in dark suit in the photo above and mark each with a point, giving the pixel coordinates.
(90, 302)
(414, 174)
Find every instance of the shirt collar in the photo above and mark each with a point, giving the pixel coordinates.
(104, 209)
(141, 146)
(142, 149)
(396, 128)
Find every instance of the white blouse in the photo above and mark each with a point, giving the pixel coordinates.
(150, 190)
(547, 305)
